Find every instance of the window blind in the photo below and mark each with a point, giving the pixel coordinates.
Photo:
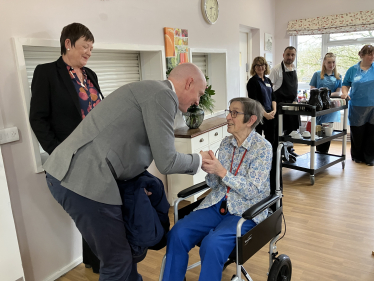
(113, 68)
(201, 61)
(348, 22)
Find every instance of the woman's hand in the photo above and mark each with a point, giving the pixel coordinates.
(269, 115)
(213, 166)
(344, 94)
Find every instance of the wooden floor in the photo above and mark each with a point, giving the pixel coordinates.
(330, 229)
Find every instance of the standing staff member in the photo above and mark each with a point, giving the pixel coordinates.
(284, 79)
(63, 93)
(330, 78)
(115, 142)
(360, 78)
(260, 88)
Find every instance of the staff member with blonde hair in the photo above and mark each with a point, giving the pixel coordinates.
(260, 88)
(360, 78)
(330, 78)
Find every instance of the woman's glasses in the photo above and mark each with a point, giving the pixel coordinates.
(233, 113)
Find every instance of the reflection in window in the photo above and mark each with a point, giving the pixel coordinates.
(308, 56)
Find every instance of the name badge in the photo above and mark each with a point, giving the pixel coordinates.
(267, 85)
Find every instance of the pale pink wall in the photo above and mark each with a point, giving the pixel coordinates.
(287, 10)
(47, 237)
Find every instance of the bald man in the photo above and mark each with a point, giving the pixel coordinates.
(117, 141)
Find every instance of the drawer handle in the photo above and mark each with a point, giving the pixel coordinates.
(216, 134)
(201, 140)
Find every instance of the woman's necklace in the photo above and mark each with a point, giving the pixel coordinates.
(80, 77)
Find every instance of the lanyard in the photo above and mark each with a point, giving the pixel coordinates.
(232, 160)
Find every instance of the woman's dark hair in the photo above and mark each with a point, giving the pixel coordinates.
(74, 32)
(366, 50)
(251, 107)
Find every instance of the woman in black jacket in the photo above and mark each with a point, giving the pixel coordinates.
(260, 88)
(63, 93)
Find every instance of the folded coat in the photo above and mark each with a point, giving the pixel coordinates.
(146, 217)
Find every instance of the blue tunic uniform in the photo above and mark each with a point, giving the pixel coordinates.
(361, 105)
(333, 84)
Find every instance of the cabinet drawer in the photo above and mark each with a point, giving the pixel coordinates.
(215, 135)
(200, 141)
(214, 147)
(204, 148)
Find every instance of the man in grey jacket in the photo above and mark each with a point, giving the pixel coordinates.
(118, 140)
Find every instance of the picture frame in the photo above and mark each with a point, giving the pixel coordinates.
(268, 46)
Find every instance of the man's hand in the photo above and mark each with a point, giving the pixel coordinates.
(147, 192)
(213, 166)
(205, 155)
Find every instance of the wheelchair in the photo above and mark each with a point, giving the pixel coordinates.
(280, 267)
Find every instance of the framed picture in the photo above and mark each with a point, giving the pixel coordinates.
(268, 42)
(176, 46)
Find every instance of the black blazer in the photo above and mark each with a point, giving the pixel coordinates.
(254, 89)
(54, 108)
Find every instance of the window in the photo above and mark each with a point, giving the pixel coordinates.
(308, 57)
(201, 60)
(312, 49)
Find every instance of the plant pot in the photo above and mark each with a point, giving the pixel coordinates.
(194, 117)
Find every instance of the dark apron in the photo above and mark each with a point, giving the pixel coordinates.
(287, 93)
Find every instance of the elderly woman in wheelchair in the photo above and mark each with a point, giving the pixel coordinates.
(239, 178)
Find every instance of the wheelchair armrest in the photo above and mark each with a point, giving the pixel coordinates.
(260, 207)
(185, 193)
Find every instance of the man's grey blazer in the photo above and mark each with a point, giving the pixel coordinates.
(119, 139)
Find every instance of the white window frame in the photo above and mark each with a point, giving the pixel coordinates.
(326, 43)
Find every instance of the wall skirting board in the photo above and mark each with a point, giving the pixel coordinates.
(65, 269)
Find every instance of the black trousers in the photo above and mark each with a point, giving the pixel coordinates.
(89, 257)
(268, 127)
(362, 143)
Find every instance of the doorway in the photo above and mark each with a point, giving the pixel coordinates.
(245, 57)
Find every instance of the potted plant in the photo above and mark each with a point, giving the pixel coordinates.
(194, 116)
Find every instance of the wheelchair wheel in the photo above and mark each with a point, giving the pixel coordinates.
(281, 270)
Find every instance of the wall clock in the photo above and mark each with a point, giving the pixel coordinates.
(210, 10)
